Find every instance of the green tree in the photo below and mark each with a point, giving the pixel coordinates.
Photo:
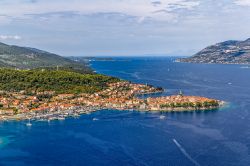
(15, 111)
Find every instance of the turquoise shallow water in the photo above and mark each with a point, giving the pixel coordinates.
(4, 141)
(211, 138)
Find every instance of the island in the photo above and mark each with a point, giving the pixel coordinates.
(49, 94)
(227, 52)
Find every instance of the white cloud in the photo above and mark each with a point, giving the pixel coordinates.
(137, 8)
(242, 2)
(10, 37)
(132, 26)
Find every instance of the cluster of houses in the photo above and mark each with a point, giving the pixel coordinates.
(11, 103)
(180, 102)
(17, 103)
(120, 95)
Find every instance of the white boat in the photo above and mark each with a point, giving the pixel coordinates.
(162, 117)
(61, 118)
(28, 124)
(95, 119)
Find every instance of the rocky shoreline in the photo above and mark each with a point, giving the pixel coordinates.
(47, 106)
(78, 111)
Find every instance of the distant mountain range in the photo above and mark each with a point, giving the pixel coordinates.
(29, 58)
(228, 52)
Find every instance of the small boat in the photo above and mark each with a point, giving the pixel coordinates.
(95, 119)
(28, 124)
(61, 118)
(162, 117)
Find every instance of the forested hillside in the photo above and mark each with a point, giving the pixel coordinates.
(29, 58)
(60, 81)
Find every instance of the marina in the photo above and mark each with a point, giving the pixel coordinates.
(49, 116)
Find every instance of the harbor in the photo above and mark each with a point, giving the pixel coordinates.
(49, 116)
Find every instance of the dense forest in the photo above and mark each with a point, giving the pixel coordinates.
(60, 81)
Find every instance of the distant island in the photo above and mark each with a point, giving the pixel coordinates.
(49, 92)
(228, 52)
(88, 59)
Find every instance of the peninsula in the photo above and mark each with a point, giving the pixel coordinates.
(46, 94)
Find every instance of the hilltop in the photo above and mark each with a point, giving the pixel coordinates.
(30, 58)
(59, 81)
(228, 52)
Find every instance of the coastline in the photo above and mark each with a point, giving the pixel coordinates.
(42, 116)
(211, 63)
(116, 95)
(77, 112)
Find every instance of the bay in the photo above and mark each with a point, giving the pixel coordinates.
(209, 138)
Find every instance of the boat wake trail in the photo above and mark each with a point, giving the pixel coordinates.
(184, 152)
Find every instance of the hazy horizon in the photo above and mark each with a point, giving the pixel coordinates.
(124, 28)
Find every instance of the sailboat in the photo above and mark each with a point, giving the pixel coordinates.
(28, 124)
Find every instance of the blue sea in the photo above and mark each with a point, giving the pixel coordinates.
(130, 138)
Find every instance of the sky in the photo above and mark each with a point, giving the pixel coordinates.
(123, 27)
